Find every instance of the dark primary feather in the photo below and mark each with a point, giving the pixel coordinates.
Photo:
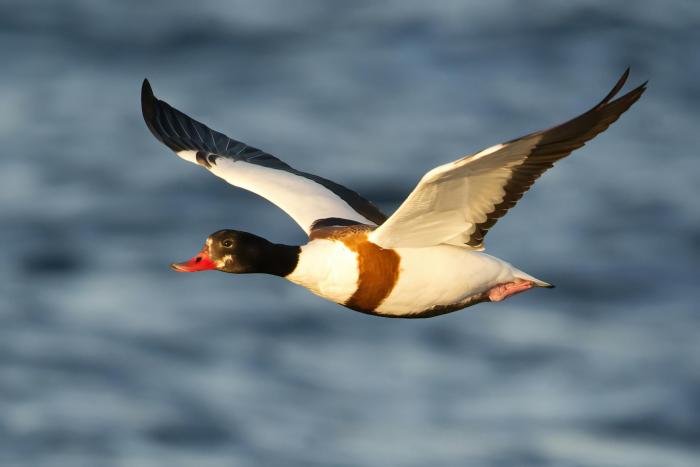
(182, 133)
(554, 144)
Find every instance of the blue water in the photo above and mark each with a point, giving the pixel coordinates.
(107, 358)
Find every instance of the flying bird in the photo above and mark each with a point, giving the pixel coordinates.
(426, 259)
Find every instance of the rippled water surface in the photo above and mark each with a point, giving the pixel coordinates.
(107, 358)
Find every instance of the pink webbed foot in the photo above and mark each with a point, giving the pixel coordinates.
(503, 291)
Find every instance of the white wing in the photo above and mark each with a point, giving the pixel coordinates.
(310, 200)
(457, 203)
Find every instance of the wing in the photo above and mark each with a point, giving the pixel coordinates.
(457, 203)
(310, 200)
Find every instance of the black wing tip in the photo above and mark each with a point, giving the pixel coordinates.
(642, 87)
(639, 90)
(149, 108)
(148, 102)
(618, 85)
(627, 100)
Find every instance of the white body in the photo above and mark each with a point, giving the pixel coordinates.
(437, 276)
(444, 275)
(328, 268)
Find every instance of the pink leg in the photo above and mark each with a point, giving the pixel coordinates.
(503, 291)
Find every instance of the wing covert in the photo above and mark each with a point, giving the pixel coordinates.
(307, 198)
(458, 202)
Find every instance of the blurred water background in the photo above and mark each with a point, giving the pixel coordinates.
(107, 358)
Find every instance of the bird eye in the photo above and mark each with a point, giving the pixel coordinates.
(227, 243)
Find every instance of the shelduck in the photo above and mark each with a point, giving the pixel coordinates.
(426, 259)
